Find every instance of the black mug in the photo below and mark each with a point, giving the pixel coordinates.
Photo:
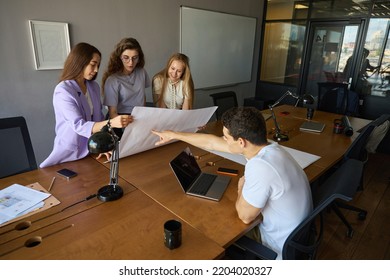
(172, 234)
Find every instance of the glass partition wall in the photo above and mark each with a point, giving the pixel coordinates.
(376, 76)
(307, 42)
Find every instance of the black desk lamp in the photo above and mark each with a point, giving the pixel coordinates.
(102, 142)
(306, 99)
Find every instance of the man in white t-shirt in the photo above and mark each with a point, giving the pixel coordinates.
(273, 184)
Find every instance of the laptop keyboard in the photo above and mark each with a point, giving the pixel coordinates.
(203, 184)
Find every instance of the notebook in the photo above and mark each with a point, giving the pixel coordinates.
(193, 181)
(312, 127)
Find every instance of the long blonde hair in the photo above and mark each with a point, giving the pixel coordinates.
(188, 84)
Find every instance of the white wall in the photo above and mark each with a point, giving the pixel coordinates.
(154, 23)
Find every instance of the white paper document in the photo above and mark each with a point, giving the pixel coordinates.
(304, 159)
(16, 199)
(137, 137)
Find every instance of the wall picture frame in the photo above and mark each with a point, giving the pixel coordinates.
(50, 43)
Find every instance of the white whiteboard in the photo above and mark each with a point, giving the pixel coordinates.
(220, 46)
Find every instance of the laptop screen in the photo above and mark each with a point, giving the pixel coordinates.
(186, 168)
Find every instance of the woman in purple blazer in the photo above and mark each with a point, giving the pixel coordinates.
(78, 107)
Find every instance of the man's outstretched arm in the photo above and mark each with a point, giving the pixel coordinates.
(201, 140)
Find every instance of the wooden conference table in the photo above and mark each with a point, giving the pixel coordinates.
(329, 146)
(131, 227)
(150, 172)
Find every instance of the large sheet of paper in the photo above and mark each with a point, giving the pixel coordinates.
(137, 137)
(304, 159)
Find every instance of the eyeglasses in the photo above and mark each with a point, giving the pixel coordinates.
(127, 59)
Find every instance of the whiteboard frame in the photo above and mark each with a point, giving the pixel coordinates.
(225, 59)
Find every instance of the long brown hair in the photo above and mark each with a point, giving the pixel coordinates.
(188, 84)
(115, 64)
(79, 57)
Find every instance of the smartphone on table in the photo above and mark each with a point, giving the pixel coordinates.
(66, 173)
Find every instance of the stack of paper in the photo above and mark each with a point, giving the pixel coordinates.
(17, 200)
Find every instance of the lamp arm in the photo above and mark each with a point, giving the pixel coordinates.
(277, 128)
(282, 97)
(114, 166)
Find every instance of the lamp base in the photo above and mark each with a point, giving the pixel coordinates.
(279, 137)
(110, 193)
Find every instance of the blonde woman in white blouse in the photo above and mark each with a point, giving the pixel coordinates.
(173, 87)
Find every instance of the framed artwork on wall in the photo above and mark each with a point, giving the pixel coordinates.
(50, 43)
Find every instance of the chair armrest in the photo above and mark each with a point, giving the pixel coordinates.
(255, 248)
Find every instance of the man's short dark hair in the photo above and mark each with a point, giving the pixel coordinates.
(247, 123)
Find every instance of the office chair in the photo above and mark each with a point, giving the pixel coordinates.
(303, 241)
(384, 143)
(224, 101)
(380, 120)
(16, 154)
(332, 97)
(357, 151)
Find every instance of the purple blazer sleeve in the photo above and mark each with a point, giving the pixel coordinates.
(74, 121)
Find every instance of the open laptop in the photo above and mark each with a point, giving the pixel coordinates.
(193, 181)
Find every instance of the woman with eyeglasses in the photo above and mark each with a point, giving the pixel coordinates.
(173, 87)
(78, 107)
(125, 79)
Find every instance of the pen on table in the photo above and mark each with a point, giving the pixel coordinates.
(52, 183)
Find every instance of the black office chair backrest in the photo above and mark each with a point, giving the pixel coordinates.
(332, 97)
(341, 184)
(357, 150)
(224, 101)
(303, 242)
(16, 150)
(380, 120)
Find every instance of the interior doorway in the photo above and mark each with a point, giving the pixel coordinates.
(331, 54)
